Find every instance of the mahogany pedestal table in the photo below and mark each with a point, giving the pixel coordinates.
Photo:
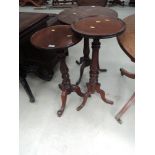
(98, 27)
(127, 42)
(69, 16)
(58, 39)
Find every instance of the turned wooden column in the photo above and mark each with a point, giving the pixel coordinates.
(66, 85)
(93, 85)
(94, 64)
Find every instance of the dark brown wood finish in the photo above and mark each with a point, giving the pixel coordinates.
(28, 20)
(64, 3)
(27, 26)
(92, 2)
(22, 79)
(69, 16)
(66, 85)
(115, 2)
(126, 73)
(59, 38)
(55, 37)
(97, 27)
(132, 3)
(127, 42)
(127, 39)
(130, 102)
(31, 59)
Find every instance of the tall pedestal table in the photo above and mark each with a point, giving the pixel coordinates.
(98, 27)
(69, 16)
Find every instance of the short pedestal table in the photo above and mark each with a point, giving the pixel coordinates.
(58, 39)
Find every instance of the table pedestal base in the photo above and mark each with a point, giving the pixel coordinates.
(85, 60)
(65, 92)
(91, 89)
(93, 85)
(66, 86)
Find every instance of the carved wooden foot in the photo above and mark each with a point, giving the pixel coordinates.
(65, 92)
(125, 108)
(80, 61)
(102, 94)
(84, 101)
(126, 73)
(101, 70)
(63, 98)
(91, 89)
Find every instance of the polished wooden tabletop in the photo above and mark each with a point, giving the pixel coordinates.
(55, 37)
(99, 27)
(68, 16)
(127, 39)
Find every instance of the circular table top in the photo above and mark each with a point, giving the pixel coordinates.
(55, 37)
(68, 16)
(127, 39)
(99, 27)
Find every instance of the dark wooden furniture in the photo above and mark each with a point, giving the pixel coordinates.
(63, 3)
(22, 76)
(98, 27)
(132, 3)
(115, 2)
(58, 39)
(127, 43)
(36, 3)
(92, 2)
(31, 60)
(69, 16)
(127, 39)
